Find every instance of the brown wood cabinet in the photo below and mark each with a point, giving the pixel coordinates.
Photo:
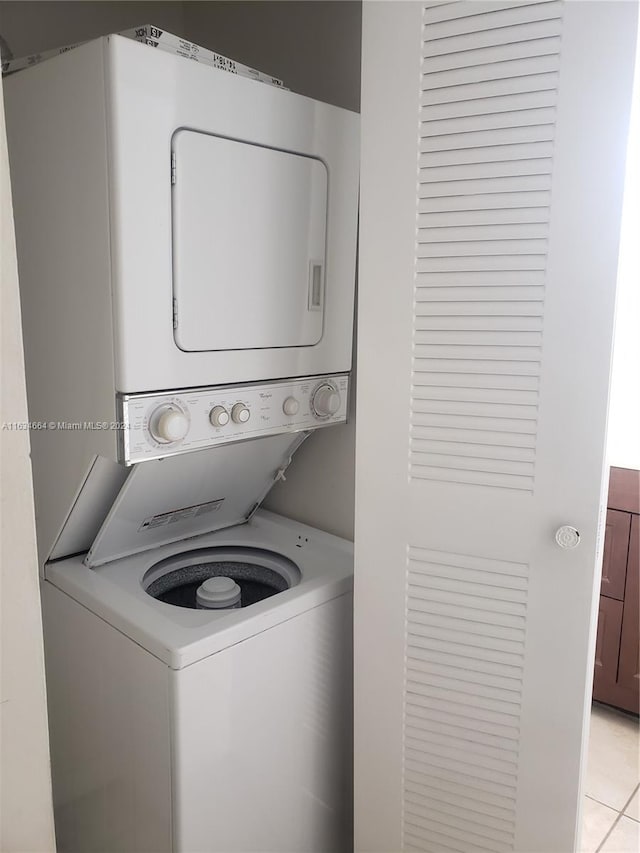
(616, 678)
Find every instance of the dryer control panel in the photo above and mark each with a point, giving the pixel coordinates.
(165, 424)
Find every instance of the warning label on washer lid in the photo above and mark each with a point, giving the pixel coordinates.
(182, 514)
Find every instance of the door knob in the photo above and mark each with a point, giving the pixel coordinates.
(567, 536)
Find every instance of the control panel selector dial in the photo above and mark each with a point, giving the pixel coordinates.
(290, 406)
(240, 414)
(168, 423)
(180, 420)
(325, 401)
(219, 416)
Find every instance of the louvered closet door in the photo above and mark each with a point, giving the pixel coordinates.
(494, 139)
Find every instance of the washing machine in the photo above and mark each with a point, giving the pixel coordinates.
(183, 727)
(186, 248)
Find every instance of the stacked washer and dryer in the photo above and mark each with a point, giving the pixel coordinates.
(186, 245)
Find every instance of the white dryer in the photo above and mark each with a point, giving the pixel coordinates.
(183, 730)
(179, 229)
(214, 216)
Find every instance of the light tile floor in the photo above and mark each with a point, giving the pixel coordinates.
(611, 817)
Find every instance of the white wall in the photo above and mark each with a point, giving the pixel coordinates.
(315, 48)
(26, 819)
(623, 440)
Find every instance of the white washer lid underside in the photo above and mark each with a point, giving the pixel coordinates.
(170, 499)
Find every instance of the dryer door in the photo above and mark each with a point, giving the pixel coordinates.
(249, 227)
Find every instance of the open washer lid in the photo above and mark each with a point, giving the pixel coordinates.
(166, 500)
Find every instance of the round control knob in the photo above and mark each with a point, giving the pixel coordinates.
(168, 424)
(290, 406)
(240, 414)
(219, 416)
(325, 401)
(567, 536)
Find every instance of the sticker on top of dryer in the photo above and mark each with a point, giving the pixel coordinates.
(11, 65)
(182, 514)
